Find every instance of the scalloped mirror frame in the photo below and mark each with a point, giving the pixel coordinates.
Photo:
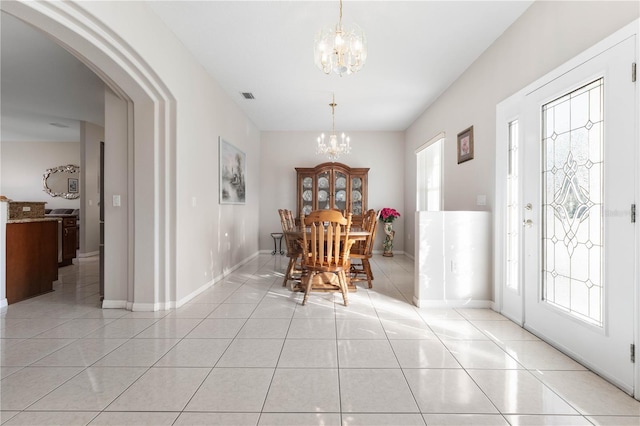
(69, 168)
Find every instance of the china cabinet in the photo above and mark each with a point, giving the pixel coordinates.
(332, 186)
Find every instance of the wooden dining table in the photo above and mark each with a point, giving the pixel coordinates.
(325, 281)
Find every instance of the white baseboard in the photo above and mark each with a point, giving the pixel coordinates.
(195, 293)
(151, 307)
(88, 254)
(215, 280)
(114, 304)
(3, 303)
(135, 307)
(395, 252)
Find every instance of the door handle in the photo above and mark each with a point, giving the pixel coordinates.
(527, 223)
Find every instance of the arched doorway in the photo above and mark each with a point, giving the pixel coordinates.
(139, 257)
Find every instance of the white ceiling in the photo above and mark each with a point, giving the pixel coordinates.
(41, 83)
(416, 50)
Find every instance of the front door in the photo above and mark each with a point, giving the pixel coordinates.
(578, 184)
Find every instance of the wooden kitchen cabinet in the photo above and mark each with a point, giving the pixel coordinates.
(69, 240)
(32, 258)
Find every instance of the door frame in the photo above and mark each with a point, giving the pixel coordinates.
(506, 112)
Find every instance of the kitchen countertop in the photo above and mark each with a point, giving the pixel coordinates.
(34, 219)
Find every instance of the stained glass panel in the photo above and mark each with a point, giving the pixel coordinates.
(572, 146)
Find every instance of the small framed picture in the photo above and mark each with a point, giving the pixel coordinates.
(72, 186)
(465, 145)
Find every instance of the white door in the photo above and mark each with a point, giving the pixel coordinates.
(578, 184)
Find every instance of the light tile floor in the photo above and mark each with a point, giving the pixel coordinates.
(245, 352)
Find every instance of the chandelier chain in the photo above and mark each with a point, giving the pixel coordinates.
(333, 106)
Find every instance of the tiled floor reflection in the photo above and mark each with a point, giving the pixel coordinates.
(245, 352)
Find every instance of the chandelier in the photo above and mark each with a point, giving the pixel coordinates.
(340, 50)
(334, 148)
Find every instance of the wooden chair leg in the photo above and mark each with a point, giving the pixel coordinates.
(287, 275)
(367, 271)
(307, 290)
(342, 279)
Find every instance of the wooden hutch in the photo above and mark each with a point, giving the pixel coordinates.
(332, 186)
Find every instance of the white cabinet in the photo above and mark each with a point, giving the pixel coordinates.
(453, 259)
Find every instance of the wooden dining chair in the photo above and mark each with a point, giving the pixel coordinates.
(294, 251)
(326, 246)
(363, 251)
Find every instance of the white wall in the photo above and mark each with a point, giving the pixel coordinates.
(282, 152)
(116, 245)
(547, 35)
(24, 163)
(210, 239)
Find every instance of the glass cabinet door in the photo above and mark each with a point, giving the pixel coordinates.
(332, 186)
(340, 191)
(324, 202)
(307, 195)
(356, 196)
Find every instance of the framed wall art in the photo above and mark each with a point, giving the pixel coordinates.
(72, 185)
(465, 145)
(233, 166)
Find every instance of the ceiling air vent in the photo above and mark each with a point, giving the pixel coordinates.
(62, 126)
(248, 95)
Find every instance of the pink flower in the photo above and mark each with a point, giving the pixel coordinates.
(388, 215)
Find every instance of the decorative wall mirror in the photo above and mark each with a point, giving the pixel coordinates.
(62, 181)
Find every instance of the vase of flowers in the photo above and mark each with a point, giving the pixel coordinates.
(387, 216)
